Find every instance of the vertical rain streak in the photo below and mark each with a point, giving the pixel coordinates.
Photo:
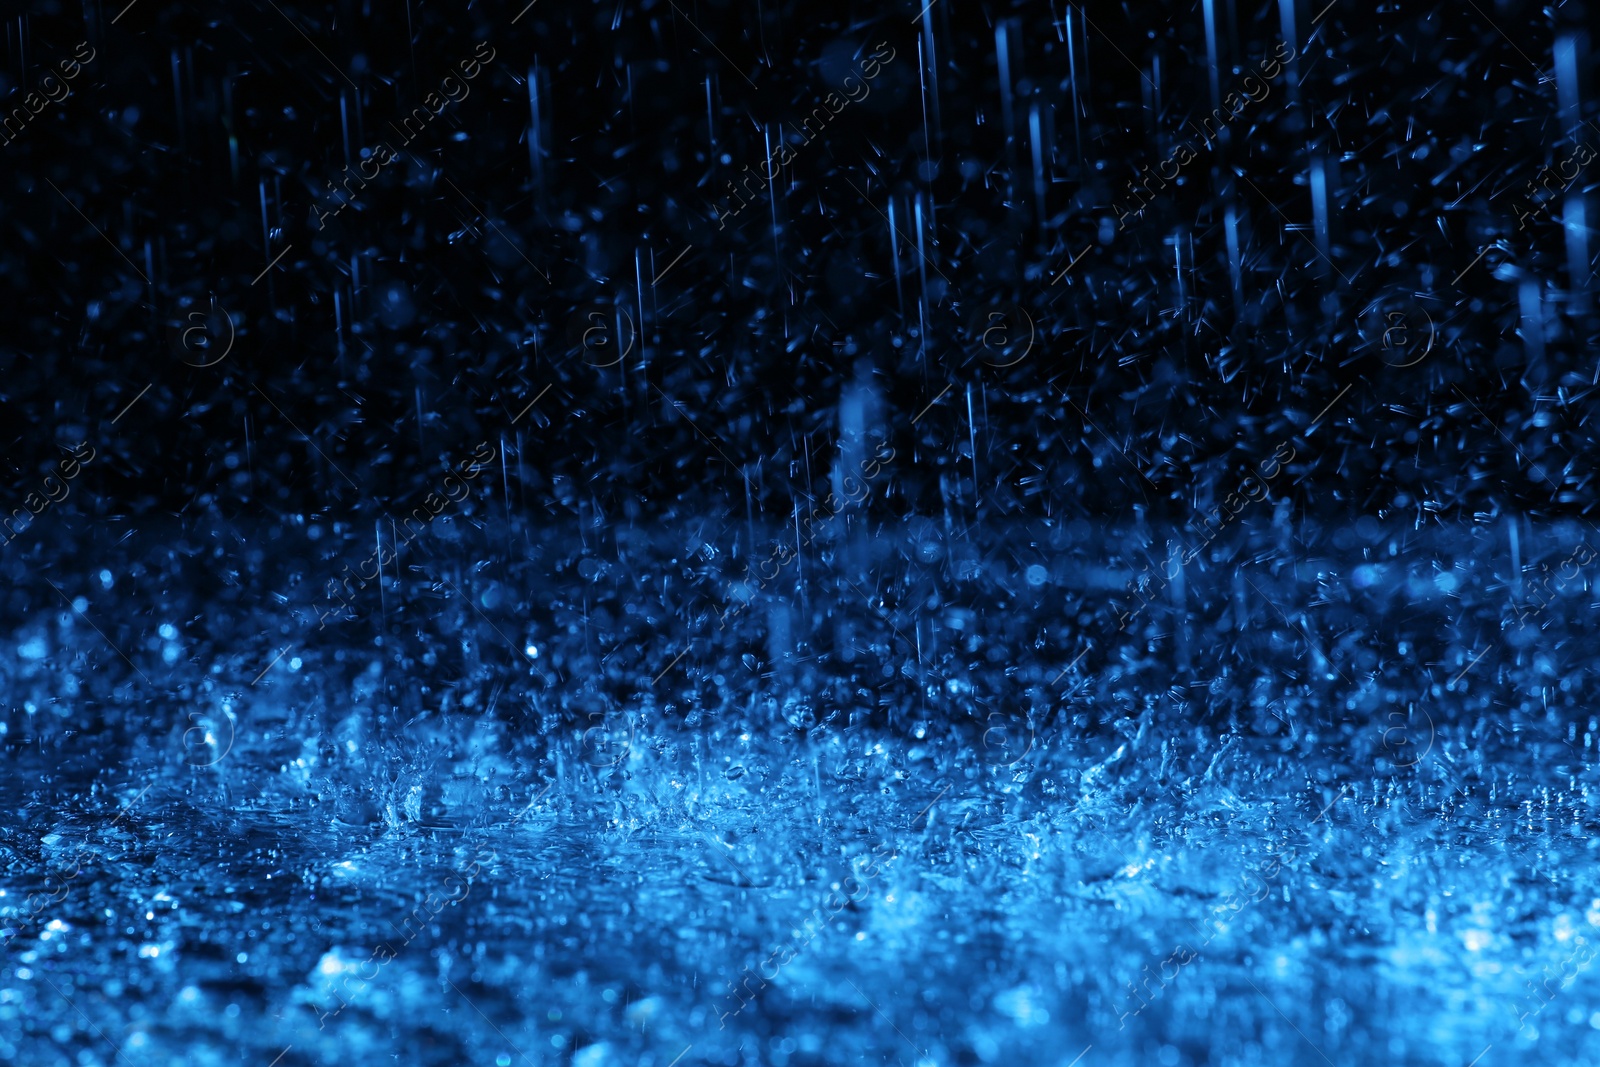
(920, 225)
(711, 119)
(931, 75)
(1036, 140)
(772, 187)
(1074, 98)
(1570, 54)
(344, 128)
(536, 131)
(1213, 61)
(894, 257)
(266, 227)
(1235, 265)
(1286, 25)
(1004, 30)
(1319, 204)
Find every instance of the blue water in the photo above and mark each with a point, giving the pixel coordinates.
(1309, 845)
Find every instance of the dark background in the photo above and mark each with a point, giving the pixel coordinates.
(1341, 275)
(422, 318)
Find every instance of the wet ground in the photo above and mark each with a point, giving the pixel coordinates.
(1344, 816)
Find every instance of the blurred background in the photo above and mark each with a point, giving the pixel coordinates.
(677, 274)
